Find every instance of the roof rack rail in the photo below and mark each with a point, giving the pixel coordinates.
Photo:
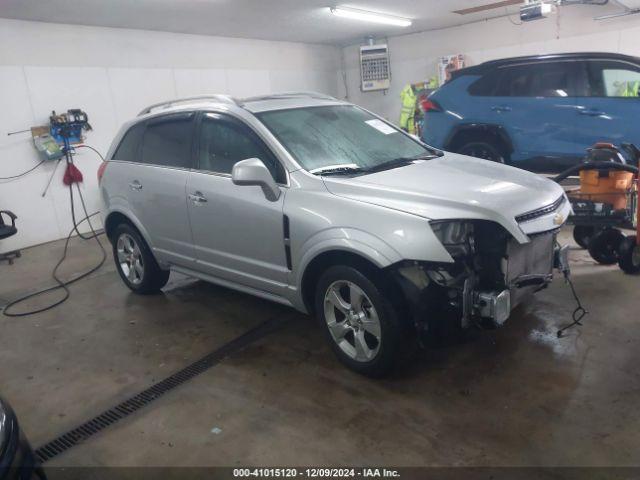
(316, 95)
(218, 98)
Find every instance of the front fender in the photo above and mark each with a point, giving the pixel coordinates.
(376, 250)
(348, 240)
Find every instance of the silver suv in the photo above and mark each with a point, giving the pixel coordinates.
(319, 204)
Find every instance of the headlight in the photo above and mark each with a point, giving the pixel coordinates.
(455, 235)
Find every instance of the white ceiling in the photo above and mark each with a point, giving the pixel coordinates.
(290, 20)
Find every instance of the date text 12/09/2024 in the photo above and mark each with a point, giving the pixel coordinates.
(315, 473)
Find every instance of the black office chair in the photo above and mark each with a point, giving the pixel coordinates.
(7, 231)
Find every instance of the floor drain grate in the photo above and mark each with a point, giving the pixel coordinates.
(98, 423)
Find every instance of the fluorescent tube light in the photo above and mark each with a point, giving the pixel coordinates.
(366, 16)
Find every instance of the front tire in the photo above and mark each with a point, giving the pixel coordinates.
(360, 322)
(135, 263)
(482, 150)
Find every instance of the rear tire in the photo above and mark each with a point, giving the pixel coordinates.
(582, 234)
(135, 263)
(483, 150)
(629, 260)
(359, 320)
(605, 245)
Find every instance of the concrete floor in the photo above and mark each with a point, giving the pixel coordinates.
(513, 397)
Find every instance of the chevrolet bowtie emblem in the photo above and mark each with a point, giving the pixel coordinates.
(558, 219)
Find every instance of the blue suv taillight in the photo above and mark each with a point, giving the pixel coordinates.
(428, 105)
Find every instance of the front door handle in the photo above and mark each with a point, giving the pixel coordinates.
(135, 185)
(592, 113)
(501, 108)
(197, 198)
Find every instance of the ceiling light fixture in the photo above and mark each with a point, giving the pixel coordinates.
(367, 16)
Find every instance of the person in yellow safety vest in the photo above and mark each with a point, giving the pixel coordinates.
(407, 114)
(632, 89)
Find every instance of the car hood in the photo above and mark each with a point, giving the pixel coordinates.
(453, 187)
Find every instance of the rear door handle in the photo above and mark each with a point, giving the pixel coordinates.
(592, 113)
(501, 108)
(197, 198)
(135, 185)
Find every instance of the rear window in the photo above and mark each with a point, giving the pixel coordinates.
(129, 145)
(167, 141)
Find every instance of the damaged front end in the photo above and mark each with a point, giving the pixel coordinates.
(492, 273)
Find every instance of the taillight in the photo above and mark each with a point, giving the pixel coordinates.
(428, 105)
(101, 169)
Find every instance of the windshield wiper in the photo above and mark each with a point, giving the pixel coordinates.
(338, 170)
(395, 163)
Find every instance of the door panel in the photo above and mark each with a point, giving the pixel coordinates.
(535, 104)
(237, 233)
(157, 195)
(542, 103)
(156, 185)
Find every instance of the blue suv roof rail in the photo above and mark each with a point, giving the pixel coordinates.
(483, 68)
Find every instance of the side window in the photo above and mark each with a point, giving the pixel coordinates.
(225, 141)
(130, 144)
(167, 141)
(613, 79)
(517, 82)
(551, 79)
(488, 85)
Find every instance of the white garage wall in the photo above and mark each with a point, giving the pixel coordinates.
(112, 74)
(414, 57)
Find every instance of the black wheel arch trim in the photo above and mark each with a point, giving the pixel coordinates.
(109, 227)
(493, 129)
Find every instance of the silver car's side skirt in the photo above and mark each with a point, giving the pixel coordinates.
(232, 285)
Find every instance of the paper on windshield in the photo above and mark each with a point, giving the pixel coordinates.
(381, 126)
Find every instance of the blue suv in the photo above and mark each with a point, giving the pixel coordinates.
(539, 113)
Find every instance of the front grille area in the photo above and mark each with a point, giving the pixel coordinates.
(535, 257)
(524, 260)
(541, 212)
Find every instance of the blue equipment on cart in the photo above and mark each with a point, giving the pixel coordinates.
(67, 128)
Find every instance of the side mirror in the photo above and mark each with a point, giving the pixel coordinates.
(253, 172)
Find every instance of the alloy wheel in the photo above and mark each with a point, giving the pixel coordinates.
(352, 320)
(130, 258)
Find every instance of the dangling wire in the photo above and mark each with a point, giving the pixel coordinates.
(578, 314)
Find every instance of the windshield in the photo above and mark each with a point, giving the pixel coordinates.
(342, 137)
